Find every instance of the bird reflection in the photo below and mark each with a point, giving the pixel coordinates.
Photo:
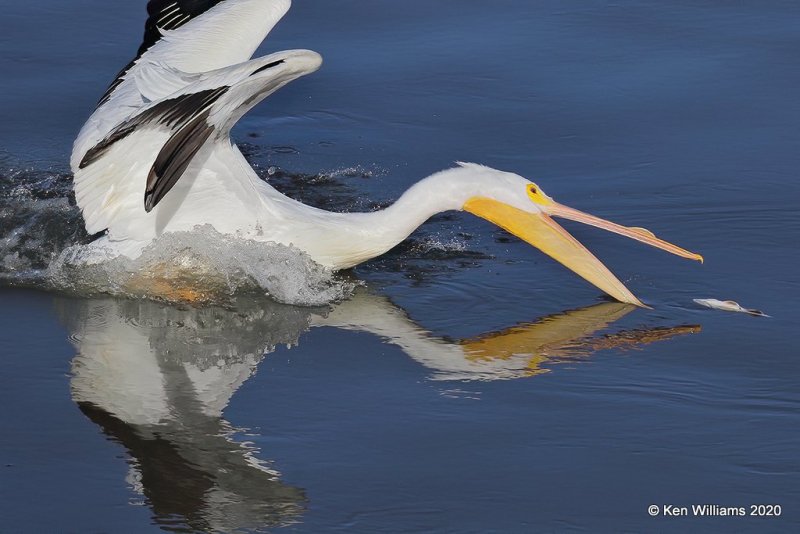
(157, 378)
(517, 352)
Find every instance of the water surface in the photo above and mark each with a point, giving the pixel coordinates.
(470, 384)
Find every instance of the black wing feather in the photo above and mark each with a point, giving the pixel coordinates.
(98, 150)
(174, 159)
(187, 117)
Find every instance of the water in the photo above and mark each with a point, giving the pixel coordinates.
(467, 384)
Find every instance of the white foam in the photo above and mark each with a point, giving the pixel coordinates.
(215, 265)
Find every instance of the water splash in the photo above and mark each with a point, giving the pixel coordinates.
(38, 220)
(201, 266)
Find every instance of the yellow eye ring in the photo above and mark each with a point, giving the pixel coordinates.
(538, 196)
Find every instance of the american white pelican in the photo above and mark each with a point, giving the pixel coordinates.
(156, 156)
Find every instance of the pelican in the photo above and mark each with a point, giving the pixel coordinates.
(156, 157)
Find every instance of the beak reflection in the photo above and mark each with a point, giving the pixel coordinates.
(570, 336)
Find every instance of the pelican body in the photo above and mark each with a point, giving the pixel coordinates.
(156, 156)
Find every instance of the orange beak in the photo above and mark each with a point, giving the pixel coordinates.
(541, 231)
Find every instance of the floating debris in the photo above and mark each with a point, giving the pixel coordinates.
(728, 305)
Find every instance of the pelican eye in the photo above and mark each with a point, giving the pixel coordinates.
(537, 195)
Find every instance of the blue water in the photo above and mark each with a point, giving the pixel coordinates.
(574, 414)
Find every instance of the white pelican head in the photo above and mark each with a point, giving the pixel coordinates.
(522, 208)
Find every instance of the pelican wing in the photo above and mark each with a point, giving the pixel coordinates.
(221, 32)
(186, 118)
(163, 16)
(164, 123)
(182, 38)
(126, 174)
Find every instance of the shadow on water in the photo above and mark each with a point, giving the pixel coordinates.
(156, 379)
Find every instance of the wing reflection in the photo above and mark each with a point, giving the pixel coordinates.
(156, 379)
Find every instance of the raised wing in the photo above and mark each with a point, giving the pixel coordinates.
(163, 16)
(223, 32)
(125, 175)
(181, 38)
(186, 118)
